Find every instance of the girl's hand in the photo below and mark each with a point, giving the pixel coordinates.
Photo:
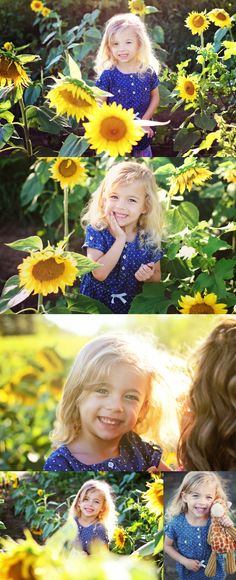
(144, 272)
(115, 229)
(193, 565)
(149, 131)
(226, 522)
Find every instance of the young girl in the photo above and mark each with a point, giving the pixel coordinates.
(94, 512)
(123, 234)
(208, 438)
(189, 520)
(109, 399)
(128, 69)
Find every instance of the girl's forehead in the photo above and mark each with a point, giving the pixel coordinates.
(206, 486)
(135, 187)
(94, 493)
(124, 32)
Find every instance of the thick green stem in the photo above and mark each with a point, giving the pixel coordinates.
(28, 143)
(202, 46)
(66, 216)
(40, 304)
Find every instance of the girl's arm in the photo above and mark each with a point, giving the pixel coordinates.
(109, 260)
(193, 565)
(149, 272)
(154, 102)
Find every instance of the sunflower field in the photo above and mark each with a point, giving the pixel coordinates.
(42, 500)
(49, 104)
(198, 199)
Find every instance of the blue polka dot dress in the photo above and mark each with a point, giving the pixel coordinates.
(135, 455)
(121, 286)
(88, 534)
(191, 542)
(132, 91)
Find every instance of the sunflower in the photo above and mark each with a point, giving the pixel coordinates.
(120, 538)
(186, 177)
(69, 171)
(230, 175)
(137, 7)
(154, 497)
(188, 88)
(220, 18)
(197, 22)
(45, 12)
(20, 560)
(8, 46)
(73, 98)
(46, 271)
(36, 531)
(40, 492)
(12, 71)
(198, 304)
(36, 6)
(113, 129)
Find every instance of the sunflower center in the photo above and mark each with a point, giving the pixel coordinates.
(67, 168)
(201, 309)
(198, 21)
(16, 572)
(8, 69)
(189, 88)
(47, 270)
(221, 16)
(73, 99)
(113, 129)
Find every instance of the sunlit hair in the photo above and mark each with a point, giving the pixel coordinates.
(191, 482)
(209, 421)
(107, 515)
(145, 55)
(127, 172)
(158, 418)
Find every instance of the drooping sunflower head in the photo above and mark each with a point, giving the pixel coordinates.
(12, 72)
(113, 129)
(36, 6)
(220, 18)
(72, 98)
(137, 7)
(186, 176)
(197, 22)
(188, 88)
(69, 171)
(154, 497)
(46, 271)
(198, 304)
(120, 538)
(45, 12)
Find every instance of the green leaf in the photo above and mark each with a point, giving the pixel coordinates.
(225, 268)
(93, 33)
(204, 121)
(215, 244)
(32, 93)
(82, 50)
(85, 305)
(83, 263)
(218, 37)
(73, 146)
(27, 244)
(34, 184)
(182, 216)
(177, 268)
(24, 58)
(158, 34)
(54, 211)
(7, 115)
(185, 139)
(44, 119)
(151, 9)
(6, 131)
(146, 549)
(151, 301)
(12, 294)
(75, 71)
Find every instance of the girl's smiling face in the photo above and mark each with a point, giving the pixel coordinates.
(112, 407)
(91, 504)
(199, 500)
(124, 46)
(127, 202)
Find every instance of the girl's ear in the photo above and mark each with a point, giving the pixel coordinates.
(183, 496)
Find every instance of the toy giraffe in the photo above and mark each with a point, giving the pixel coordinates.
(222, 539)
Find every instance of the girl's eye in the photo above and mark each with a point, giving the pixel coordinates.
(101, 390)
(133, 200)
(113, 197)
(132, 397)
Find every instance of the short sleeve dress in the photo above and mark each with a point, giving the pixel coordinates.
(121, 286)
(88, 534)
(135, 455)
(132, 91)
(191, 542)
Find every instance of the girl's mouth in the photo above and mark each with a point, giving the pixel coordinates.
(200, 510)
(110, 421)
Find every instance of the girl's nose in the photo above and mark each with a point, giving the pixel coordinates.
(115, 403)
